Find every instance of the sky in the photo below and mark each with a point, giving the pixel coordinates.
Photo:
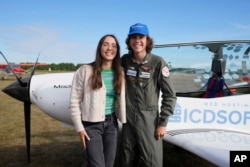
(68, 31)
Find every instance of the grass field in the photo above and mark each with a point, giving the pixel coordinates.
(54, 146)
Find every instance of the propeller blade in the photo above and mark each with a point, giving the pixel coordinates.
(27, 128)
(33, 71)
(20, 91)
(19, 80)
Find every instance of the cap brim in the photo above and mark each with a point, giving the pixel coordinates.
(138, 33)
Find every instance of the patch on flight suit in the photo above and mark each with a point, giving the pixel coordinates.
(146, 72)
(144, 75)
(131, 73)
(165, 71)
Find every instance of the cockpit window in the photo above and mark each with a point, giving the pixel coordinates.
(191, 66)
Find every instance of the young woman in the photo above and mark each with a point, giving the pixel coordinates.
(97, 100)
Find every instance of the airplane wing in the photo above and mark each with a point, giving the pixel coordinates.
(211, 128)
(3, 66)
(211, 145)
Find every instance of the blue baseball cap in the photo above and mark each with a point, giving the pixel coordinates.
(138, 28)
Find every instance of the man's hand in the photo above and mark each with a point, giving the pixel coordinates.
(160, 132)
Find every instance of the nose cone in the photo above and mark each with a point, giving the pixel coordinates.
(19, 90)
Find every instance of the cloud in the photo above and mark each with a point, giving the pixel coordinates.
(241, 26)
(54, 47)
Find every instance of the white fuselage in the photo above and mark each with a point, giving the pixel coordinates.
(208, 127)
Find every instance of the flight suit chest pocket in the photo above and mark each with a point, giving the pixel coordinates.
(145, 75)
(131, 75)
(139, 76)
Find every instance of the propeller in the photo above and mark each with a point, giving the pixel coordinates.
(20, 91)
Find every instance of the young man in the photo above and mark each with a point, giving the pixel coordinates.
(146, 76)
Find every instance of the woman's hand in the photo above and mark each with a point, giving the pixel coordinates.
(83, 136)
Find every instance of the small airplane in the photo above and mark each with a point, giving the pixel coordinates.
(5, 70)
(18, 69)
(209, 127)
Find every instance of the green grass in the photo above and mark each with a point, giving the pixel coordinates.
(54, 146)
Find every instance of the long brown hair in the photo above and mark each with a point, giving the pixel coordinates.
(96, 79)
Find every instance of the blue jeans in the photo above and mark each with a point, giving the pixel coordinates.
(101, 148)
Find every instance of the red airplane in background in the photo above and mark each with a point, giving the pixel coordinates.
(5, 70)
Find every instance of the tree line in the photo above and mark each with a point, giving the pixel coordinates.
(57, 67)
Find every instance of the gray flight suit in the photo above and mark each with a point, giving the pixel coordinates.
(139, 147)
